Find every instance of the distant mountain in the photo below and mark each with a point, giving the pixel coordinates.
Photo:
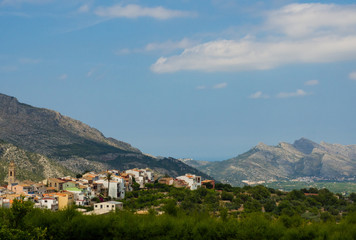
(303, 158)
(73, 144)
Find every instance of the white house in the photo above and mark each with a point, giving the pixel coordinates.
(142, 176)
(117, 187)
(194, 182)
(50, 203)
(105, 207)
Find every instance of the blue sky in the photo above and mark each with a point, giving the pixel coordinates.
(206, 79)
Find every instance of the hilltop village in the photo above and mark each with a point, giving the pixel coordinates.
(90, 190)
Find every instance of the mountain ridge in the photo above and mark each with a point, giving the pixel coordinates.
(285, 161)
(73, 144)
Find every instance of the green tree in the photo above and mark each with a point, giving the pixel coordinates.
(296, 195)
(259, 192)
(224, 214)
(326, 217)
(227, 196)
(212, 200)
(252, 205)
(209, 185)
(270, 205)
(19, 210)
(171, 207)
(352, 197)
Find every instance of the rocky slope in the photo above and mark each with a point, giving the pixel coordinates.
(73, 144)
(32, 166)
(303, 158)
(47, 131)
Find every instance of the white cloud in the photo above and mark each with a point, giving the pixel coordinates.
(136, 11)
(230, 55)
(220, 85)
(352, 76)
(84, 8)
(311, 83)
(63, 77)
(298, 20)
(298, 93)
(258, 95)
(292, 37)
(170, 45)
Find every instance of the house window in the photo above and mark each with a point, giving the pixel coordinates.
(107, 206)
(10, 174)
(101, 206)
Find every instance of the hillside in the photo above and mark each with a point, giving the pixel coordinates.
(303, 158)
(73, 144)
(28, 165)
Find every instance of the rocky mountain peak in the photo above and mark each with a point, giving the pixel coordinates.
(261, 145)
(9, 104)
(305, 145)
(41, 130)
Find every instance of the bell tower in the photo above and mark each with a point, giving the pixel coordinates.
(12, 173)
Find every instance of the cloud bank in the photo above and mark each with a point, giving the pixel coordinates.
(296, 33)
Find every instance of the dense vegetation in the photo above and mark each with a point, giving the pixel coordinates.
(225, 213)
(333, 185)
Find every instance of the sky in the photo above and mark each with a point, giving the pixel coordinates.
(202, 79)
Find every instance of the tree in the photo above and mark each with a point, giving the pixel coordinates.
(352, 197)
(135, 186)
(20, 208)
(252, 205)
(170, 207)
(108, 178)
(208, 185)
(270, 205)
(259, 192)
(227, 196)
(296, 195)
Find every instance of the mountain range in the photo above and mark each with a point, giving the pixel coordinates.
(303, 158)
(67, 145)
(44, 143)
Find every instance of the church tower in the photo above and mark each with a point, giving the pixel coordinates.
(12, 172)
